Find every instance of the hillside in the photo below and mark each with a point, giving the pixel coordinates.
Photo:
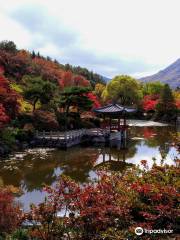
(170, 75)
(16, 63)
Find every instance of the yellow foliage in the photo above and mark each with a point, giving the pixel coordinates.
(14, 190)
(105, 95)
(177, 95)
(1, 182)
(16, 87)
(99, 88)
(25, 106)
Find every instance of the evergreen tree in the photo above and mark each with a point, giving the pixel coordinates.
(33, 54)
(37, 89)
(166, 103)
(75, 97)
(8, 46)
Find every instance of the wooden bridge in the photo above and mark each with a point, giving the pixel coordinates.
(69, 138)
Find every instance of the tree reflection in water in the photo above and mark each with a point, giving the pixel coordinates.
(35, 167)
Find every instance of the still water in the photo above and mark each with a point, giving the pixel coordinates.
(32, 168)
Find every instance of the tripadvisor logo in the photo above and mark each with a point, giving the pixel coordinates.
(139, 231)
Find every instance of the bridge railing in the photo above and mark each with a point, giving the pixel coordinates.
(72, 134)
(61, 135)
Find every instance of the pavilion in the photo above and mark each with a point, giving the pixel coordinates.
(114, 111)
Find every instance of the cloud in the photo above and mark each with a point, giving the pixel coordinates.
(44, 27)
(50, 36)
(108, 65)
(110, 37)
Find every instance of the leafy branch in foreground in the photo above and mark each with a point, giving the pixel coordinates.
(114, 205)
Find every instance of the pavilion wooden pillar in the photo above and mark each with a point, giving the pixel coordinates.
(104, 155)
(110, 155)
(124, 156)
(110, 123)
(119, 121)
(118, 157)
(124, 120)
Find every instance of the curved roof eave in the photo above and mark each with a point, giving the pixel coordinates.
(114, 108)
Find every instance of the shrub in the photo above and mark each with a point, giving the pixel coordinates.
(44, 120)
(8, 136)
(20, 234)
(10, 213)
(113, 206)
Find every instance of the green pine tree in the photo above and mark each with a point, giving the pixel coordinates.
(166, 103)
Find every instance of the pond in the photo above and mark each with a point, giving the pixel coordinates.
(32, 168)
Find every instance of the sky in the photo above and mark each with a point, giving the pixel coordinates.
(110, 37)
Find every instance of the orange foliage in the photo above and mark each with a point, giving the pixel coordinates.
(69, 80)
(49, 70)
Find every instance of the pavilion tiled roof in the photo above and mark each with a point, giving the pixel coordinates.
(114, 108)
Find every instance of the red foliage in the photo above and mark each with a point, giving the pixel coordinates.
(3, 117)
(81, 81)
(9, 105)
(44, 120)
(148, 132)
(178, 104)
(142, 197)
(10, 214)
(22, 63)
(1, 70)
(91, 208)
(47, 69)
(69, 80)
(93, 98)
(15, 65)
(150, 102)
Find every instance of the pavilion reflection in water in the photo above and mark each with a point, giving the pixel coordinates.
(114, 159)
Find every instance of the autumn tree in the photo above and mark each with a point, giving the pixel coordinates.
(124, 90)
(99, 88)
(3, 116)
(92, 77)
(176, 95)
(48, 70)
(94, 99)
(10, 213)
(15, 65)
(69, 80)
(9, 105)
(149, 102)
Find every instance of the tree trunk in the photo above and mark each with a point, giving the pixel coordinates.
(34, 104)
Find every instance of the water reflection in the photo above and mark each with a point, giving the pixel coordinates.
(34, 167)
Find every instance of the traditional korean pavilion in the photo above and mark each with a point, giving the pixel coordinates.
(114, 111)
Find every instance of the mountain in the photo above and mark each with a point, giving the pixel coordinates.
(106, 79)
(170, 75)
